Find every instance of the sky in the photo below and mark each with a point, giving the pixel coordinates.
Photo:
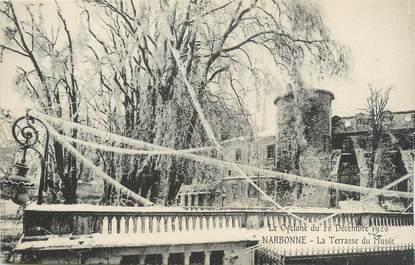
(379, 34)
(381, 38)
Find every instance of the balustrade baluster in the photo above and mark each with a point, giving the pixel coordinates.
(97, 224)
(180, 223)
(158, 224)
(197, 223)
(79, 225)
(110, 222)
(175, 224)
(237, 221)
(127, 224)
(215, 222)
(118, 220)
(192, 223)
(266, 223)
(221, 222)
(135, 230)
(90, 228)
(56, 224)
(104, 225)
(151, 224)
(123, 225)
(142, 224)
(208, 224)
(242, 220)
(168, 223)
(163, 224)
(347, 220)
(336, 221)
(279, 220)
(131, 224)
(271, 220)
(204, 222)
(143, 220)
(187, 223)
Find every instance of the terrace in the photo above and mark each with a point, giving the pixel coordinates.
(192, 235)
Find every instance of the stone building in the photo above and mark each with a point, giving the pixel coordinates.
(310, 141)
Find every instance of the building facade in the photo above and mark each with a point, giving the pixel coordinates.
(310, 141)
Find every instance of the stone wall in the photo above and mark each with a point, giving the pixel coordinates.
(303, 140)
(253, 151)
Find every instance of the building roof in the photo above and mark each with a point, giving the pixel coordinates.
(196, 188)
(315, 90)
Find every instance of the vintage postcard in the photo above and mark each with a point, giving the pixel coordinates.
(207, 132)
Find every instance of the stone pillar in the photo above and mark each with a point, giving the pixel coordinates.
(186, 200)
(187, 258)
(165, 258)
(141, 260)
(205, 200)
(193, 200)
(207, 258)
(197, 200)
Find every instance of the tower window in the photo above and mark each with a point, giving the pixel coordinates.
(238, 155)
(347, 145)
(270, 151)
(347, 123)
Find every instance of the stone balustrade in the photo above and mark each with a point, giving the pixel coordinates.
(47, 220)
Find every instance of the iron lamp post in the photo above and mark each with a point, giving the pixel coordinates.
(19, 185)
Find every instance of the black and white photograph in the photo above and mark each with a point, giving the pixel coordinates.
(207, 132)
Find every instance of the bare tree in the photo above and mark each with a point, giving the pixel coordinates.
(136, 84)
(376, 109)
(51, 80)
(216, 43)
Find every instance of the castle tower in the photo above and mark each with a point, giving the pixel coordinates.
(303, 137)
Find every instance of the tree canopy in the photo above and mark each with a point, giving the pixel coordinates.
(115, 70)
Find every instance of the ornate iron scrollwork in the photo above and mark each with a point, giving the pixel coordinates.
(26, 133)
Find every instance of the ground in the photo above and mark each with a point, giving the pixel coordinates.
(10, 228)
